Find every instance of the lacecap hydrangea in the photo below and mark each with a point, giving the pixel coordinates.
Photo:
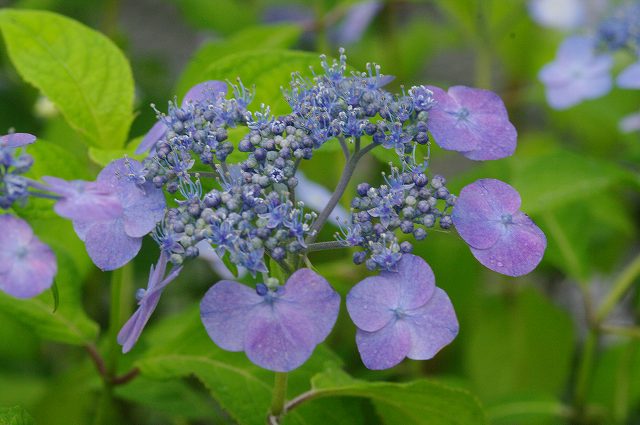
(247, 211)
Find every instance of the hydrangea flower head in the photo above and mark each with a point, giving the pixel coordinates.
(401, 314)
(112, 214)
(16, 140)
(500, 236)
(577, 73)
(147, 303)
(27, 266)
(277, 329)
(472, 121)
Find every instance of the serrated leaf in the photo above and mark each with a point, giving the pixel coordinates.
(417, 402)
(263, 37)
(15, 416)
(80, 70)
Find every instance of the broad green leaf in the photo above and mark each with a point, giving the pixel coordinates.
(226, 17)
(15, 416)
(241, 388)
(268, 70)
(264, 37)
(509, 344)
(416, 402)
(529, 409)
(551, 180)
(105, 156)
(80, 70)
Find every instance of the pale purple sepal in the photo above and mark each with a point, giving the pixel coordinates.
(356, 21)
(473, 122)
(27, 266)
(16, 140)
(630, 123)
(561, 14)
(112, 214)
(576, 74)
(278, 331)
(151, 138)
(629, 78)
(147, 303)
(401, 314)
(500, 236)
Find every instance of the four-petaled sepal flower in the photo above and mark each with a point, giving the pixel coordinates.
(473, 122)
(487, 216)
(401, 314)
(277, 329)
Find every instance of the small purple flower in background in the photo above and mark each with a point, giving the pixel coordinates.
(565, 14)
(277, 329)
(630, 123)
(197, 93)
(27, 266)
(473, 122)
(401, 314)
(16, 140)
(112, 214)
(501, 237)
(147, 302)
(577, 73)
(629, 78)
(355, 23)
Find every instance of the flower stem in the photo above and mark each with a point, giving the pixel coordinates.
(322, 246)
(620, 287)
(585, 367)
(279, 395)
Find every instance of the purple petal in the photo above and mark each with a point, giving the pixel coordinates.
(279, 343)
(472, 121)
(85, 201)
(386, 347)
(371, 302)
(150, 139)
(308, 292)
(479, 211)
(518, 251)
(205, 90)
(432, 326)
(27, 265)
(16, 140)
(226, 310)
(629, 78)
(356, 21)
(414, 281)
(630, 123)
(130, 332)
(109, 246)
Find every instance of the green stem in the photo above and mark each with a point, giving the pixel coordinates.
(483, 50)
(279, 395)
(620, 287)
(585, 368)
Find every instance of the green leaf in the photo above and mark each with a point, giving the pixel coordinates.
(268, 70)
(15, 416)
(80, 70)
(264, 37)
(417, 402)
(226, 17)
(105, 156)
(509, 345)
(549, 181)
(240, 387)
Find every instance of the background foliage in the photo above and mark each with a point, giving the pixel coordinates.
(529, 350)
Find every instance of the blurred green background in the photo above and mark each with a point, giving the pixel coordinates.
(521, 348)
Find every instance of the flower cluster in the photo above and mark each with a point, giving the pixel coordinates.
(583, 64)
(14, 162)
(244, 208)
